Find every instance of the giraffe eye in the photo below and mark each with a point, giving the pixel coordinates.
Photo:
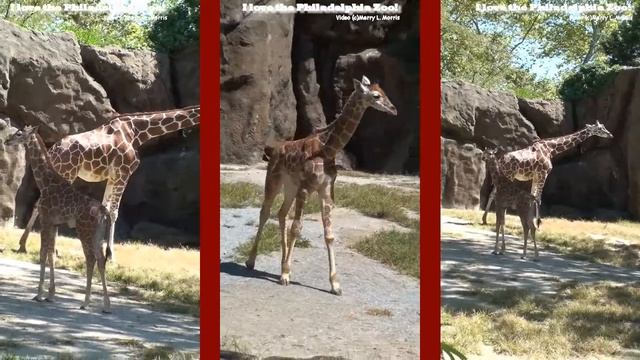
(376, 95)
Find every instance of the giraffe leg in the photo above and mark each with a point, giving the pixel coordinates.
(535, 246)
(525, 231)
(498, 222)
(27, 230)
(537, 185)
(492, 196)
(43, 259)
(115, 196)
(90, 260)
(102, 261)
(52, 261)
(326, 202)
(289, 195)
(294, 232)
(273, 183)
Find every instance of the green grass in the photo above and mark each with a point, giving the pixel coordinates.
(269, 242)
(398, 249)
(578, 239)
(579, 320)
(166, 278)
(371, 200)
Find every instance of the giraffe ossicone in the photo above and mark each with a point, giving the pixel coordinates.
(301, 167)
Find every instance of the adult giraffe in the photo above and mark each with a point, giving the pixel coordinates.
(110, 152)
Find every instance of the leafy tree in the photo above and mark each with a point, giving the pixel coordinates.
(623, 46)
(587, 80)
(179, 27)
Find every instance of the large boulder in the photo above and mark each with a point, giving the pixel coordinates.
(550, 118)
(589, 182)
(257, 103)
(135, 80)
(185, 67)
(485, 117)
(12, 168)
(463, 173)
(165, 190)
(381, 142)
(305, 85)
(43, 83)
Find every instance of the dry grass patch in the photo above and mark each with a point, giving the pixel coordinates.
(580, 239)
(379, 312)
(168, 278)
(580, 320)
(464, 331)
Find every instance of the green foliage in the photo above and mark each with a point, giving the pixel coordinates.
(397, 249)
(101, 32)
(623, 46)
(587, 81)
(178, 27)
(451, 352)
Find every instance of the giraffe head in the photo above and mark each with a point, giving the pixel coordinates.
(598, 130)
(489, 154)
(374, 96)
(21, 136)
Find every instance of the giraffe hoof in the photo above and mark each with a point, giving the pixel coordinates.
(38, 298)
(495, 253)
(49, 299)
(20, 251)
(250, 265)
(336, 292)
(105, 311)
(284, 279)
(83, 307)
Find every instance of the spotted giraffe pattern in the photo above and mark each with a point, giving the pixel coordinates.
(511, 194)
(534, 162)
(110, 152)
(60, 203)
(301, 167)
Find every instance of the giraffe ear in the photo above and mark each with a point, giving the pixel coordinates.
(365, 81)
(93, 211)
(358, 86)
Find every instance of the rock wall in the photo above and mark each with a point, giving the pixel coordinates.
(50, 80)
(598, 179)
(307, 62)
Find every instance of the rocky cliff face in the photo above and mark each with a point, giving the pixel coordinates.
(282, 75)
(600, 178)
(52, 81)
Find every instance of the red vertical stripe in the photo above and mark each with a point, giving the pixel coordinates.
(430, 179)
(210, 179)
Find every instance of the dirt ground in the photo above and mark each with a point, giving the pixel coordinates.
(29, 328)
(377, 317)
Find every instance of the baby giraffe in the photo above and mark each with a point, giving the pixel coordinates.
(512, 194)
(60, 203)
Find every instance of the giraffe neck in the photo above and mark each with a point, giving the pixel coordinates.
(561, 144)
(345, 125)
(43, 171)
(146, 126)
